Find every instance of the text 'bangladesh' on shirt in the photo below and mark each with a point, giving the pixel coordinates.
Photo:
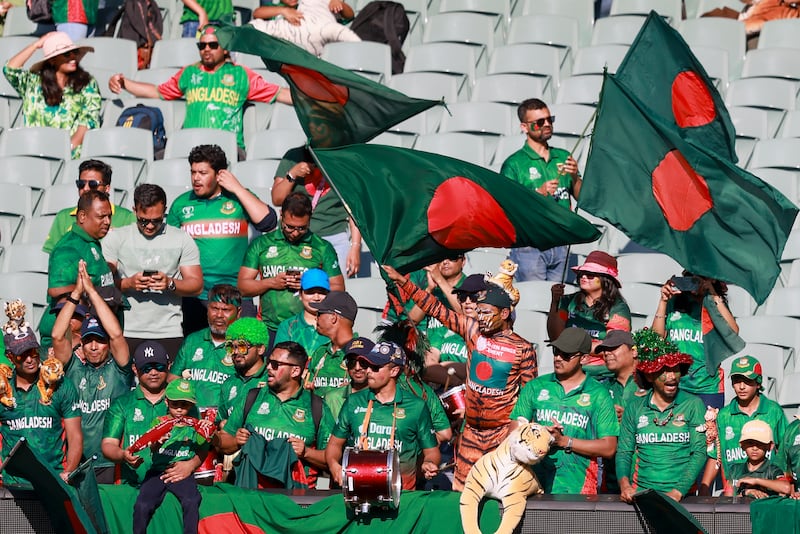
(684, 328)
(206, 363)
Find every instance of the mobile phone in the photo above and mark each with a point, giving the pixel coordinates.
(293, 272)
(149, 273)
(685, 283)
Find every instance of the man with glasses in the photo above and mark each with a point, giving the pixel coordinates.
(354, 353)
(326, 368)
(204, 357)
(394, 419)
(283, 410)
(92, 174)
(302, 328)
(215, 89)
(499, 363)
(132, 415)
(579, 413)
(246, 342)
(45, 425)
(549, 171)
(274, 263)
(156, 266)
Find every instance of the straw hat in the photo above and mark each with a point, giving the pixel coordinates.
(58, 43)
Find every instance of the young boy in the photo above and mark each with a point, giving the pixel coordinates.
(175, 457)
(757, 477)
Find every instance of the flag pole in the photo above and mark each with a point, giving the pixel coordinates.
(577, 144)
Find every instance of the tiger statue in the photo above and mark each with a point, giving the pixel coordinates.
(506, 474)
(6, 391)
(50, 374)
(505, 279)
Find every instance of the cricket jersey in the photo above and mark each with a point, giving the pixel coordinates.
(530, 169)
(767, 471)
(789, 450)
(327, 369)
(205, 363)
(296, 329)
(183, 443)
(235, 389)
(686, 331)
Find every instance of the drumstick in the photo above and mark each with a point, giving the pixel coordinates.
(450, 372)
(445, 467)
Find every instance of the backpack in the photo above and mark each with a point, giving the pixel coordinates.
(147, 118)
(384, 22)
(39, 11)
(139, 21)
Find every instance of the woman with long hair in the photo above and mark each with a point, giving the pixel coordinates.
(56, 91)
(597, 308)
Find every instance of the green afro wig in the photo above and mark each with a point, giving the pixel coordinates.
(248, 329)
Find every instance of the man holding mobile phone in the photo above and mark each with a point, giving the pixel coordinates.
(275, 261)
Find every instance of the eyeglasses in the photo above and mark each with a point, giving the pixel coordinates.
(540, 122)
(33, 353)
(159, 367)
(275, 364)
(70, 53)
(238, 348)
(213, 45)
(93, 184)
(290, 228)
(564, 356)
(144, 222)
(588, 275)
(463, 297)
(455, 258)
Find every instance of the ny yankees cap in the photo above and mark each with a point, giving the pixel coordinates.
(150, 352)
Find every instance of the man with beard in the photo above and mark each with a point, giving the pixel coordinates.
(203, 358)
(499, 363)
(660, 447)
(275, 261)
(246, 342)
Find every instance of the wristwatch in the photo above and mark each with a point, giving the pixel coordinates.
(291, 179)
(171, 285)
(568, 448)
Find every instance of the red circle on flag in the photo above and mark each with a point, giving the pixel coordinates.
(223, 522)
(464, 215)
(692, 104)
(316, 85)
(483, 371)
(682, 194)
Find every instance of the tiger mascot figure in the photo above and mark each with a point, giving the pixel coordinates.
(50, 374)
(506, 474)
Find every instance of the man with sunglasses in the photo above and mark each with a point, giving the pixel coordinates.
(44, 426)
(282, 410)
(92, 174)
(156, 265)
(579, 413)
(215, 89)
(354, 353)
(549, 171)
(246, 344)
(274, 263)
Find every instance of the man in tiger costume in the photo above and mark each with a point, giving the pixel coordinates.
(499, 363)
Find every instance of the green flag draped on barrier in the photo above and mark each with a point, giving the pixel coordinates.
(668, 194)
(335, 106)
(666, 516)
(660, 70)
(414, 208)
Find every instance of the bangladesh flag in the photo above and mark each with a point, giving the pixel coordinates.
(658, 59)
(335, 106)
(415, 208)
(667, 194)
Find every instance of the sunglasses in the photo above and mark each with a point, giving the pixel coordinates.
(238, 348)
(540, 122)
(159, 367)
(564, 356)
(33, 354)
(93, 184)
(275, 364)
(290, 228)
(588, 275)
(144, 222)
(463, 297)
(213, 45)
(352, 362)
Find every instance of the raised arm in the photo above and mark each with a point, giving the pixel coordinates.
(118, 346)
(263, 216)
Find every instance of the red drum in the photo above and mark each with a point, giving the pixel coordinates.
(208, 468)
(454, 399)
(371, 478)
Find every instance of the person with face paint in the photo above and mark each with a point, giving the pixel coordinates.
(660, 445)
(549, 171)
(157, 265)
(499, 363)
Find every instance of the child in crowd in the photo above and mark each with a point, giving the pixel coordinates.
(182, 443)
(757, 477)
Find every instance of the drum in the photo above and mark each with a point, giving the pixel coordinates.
(371, 478)
(454, 399)
(208, 470)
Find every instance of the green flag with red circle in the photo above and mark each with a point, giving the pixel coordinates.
(660, 70)
(667, 193)
(335, 107)
(415, 208)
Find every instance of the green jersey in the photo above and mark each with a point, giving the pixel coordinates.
(336, 398)
(789, 450)
(767, 471)
(234, 391)
(686, 331)
(327, 370)
(730, 421)
(216, 10)
(426, 393)
(65, 219)
(97, 388)
(219, 226)
(530, 169)
(183, 443)
(451, 346)
(407, 417)
(622, 394)
(586, 412)
(662, 449)
(205, 363)
(271, 254)
(128, 419)
(40, 424)
(296, 329)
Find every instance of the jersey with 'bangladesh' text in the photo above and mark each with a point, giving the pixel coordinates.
(205, 363)
(685, 329)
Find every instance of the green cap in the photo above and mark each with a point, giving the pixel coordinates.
(748, 367)
(181, 390)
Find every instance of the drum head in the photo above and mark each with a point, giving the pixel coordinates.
(395, 480)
